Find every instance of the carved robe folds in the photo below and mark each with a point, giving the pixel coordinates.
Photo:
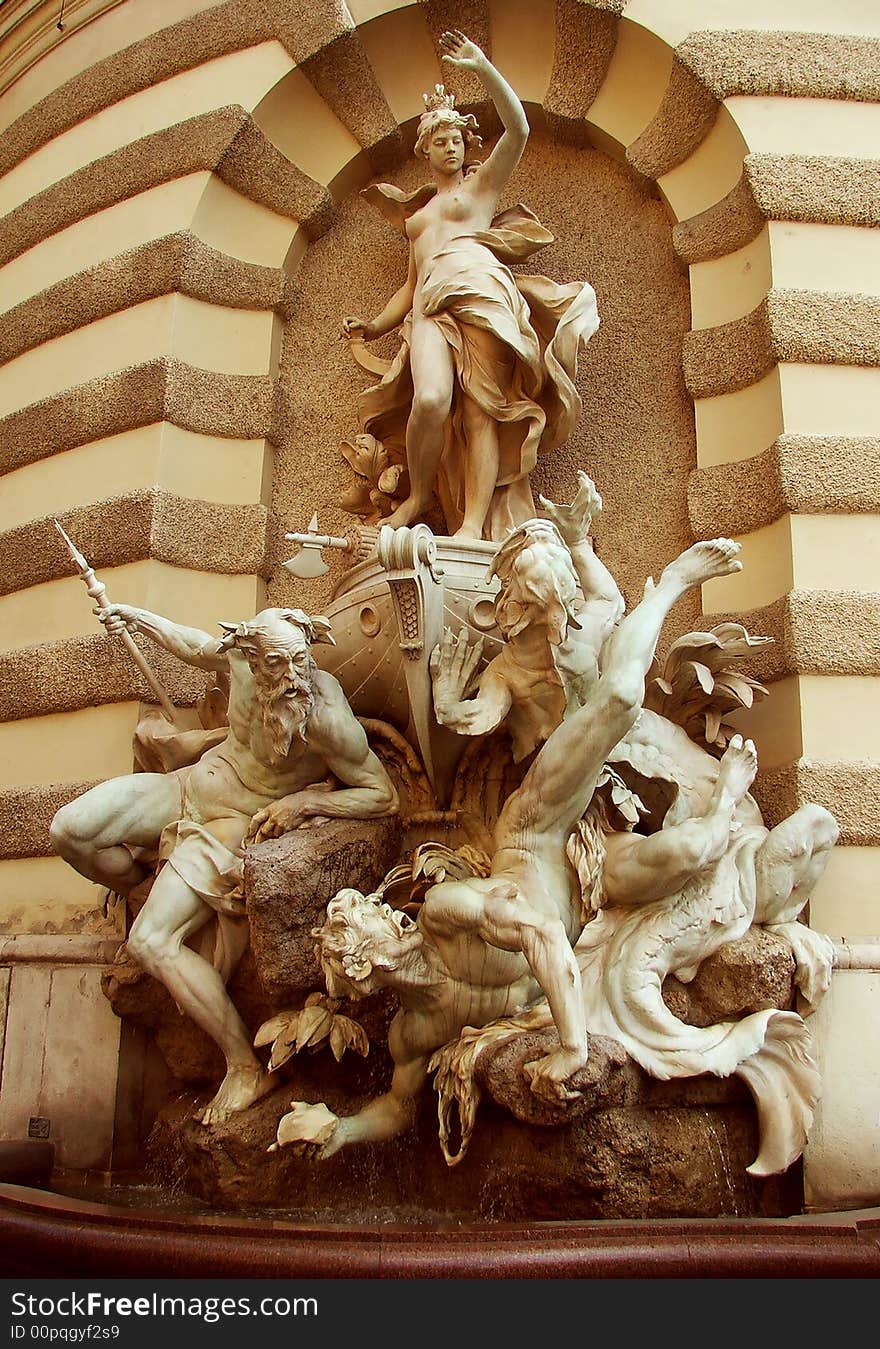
(528, 390)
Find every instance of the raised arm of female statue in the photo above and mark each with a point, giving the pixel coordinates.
(492, 176)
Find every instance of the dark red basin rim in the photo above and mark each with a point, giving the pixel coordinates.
(49, 1235)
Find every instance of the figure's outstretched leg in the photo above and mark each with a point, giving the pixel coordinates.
(788, 864)
(433, 376)
(481, 469)
(630, 649)
(639, 870)
(790, 861)
(560, 783)
(95, 833)
(172, 913)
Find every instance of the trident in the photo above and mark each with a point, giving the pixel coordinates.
(98, 592)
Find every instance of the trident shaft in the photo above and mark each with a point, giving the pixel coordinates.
(98, 592)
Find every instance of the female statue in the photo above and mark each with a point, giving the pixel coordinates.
(484, 377)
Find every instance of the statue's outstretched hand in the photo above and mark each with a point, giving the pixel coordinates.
(117, 617)
(312, 1131)
(356, 329)
(548, 1076)
(454, 664)
(575, 521)
(460, 51)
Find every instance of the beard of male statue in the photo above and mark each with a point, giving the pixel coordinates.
(286, 698)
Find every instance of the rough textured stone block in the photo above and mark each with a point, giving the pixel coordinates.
(288, 882)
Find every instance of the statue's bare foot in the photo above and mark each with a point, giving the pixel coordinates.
(738, 767)
(468, 532)
(241, 1087)
(409, 512)
(703, 562)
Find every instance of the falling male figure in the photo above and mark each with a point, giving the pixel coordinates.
(290, 728)
(488, 947)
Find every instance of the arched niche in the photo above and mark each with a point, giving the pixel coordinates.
(636, 436)
(624, 151)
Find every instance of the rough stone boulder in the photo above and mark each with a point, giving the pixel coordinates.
(288, 882)
(744, 976)
(629, 1146)
(646, 1158)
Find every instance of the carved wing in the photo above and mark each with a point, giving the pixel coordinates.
(396, 205)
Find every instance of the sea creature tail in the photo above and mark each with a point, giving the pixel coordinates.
(784, 1080)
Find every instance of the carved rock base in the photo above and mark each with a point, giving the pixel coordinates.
(288, 881)
(680, 1152)
(630, 1147)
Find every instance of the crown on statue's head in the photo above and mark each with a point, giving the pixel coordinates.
(440, 110)
(438, 99)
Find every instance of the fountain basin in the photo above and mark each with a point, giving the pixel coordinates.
(52, 1235)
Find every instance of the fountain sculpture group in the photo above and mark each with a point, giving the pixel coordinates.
(540, 835)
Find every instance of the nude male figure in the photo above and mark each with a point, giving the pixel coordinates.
(548, 667)
(488, 947)
(290, 728)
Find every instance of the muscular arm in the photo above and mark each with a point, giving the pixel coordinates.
(386, 1116)
(499, 913)
(493, 175)
(189, 644)
(335, 733)
(512, 924)
(339, 737)
(604, 603)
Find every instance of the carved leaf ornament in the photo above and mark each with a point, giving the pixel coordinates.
(698, 686)
(316, 1023)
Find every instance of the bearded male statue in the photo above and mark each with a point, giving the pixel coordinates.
(290, 729)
